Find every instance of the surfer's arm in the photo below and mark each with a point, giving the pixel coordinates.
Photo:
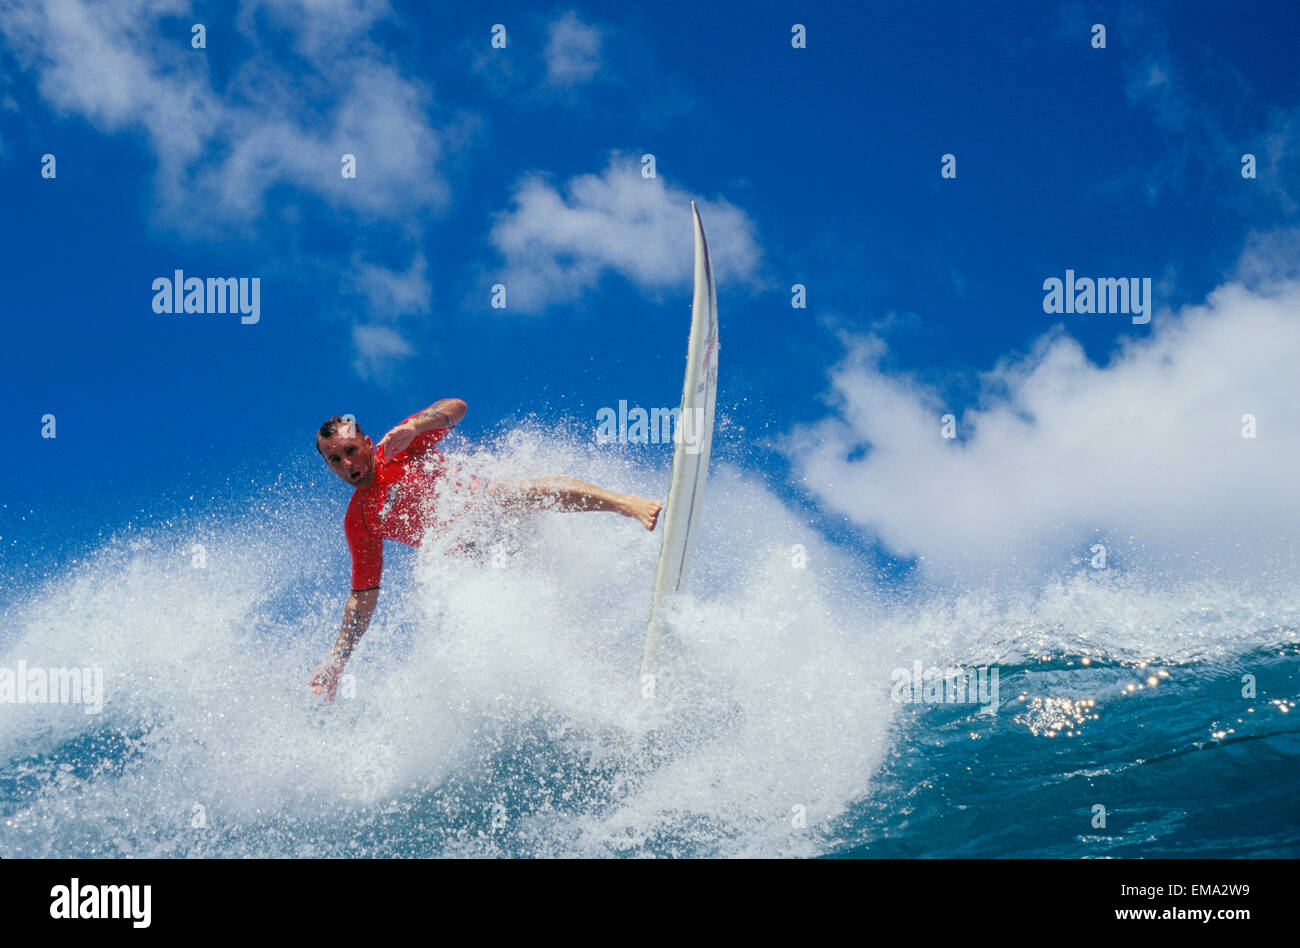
(445, 413)
(356, 619)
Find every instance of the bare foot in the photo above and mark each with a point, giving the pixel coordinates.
(643, 509)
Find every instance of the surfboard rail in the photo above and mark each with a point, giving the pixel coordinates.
(685, 503)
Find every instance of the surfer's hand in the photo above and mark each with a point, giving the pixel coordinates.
(396, 440)
(326, 679)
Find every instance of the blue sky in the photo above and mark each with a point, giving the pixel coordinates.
(521, 165)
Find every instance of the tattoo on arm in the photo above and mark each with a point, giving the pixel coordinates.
(435, 416)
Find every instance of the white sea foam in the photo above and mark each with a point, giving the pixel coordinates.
(496, 708)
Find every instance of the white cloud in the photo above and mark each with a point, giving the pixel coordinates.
(7, 105)
(391, 292)
(1145, 453)
(572, 51)
(322, 28)
(1150, 84)
(129, 66)
(1279, 164)
(377, 348)
(577, 60)
(307, 87)
(1270, 257)
(394, 297)
(558, 244)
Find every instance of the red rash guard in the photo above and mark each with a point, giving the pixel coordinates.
(396, 505)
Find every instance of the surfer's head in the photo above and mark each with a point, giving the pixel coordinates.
(347, 450)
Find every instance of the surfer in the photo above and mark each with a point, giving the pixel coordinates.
(400, 489)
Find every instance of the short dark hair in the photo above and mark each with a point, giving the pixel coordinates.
(331, 428)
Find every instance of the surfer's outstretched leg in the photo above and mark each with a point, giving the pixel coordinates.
(571, 494)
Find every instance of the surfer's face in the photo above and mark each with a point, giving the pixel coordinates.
(350, 457)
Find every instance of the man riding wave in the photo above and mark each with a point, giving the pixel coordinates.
(397, 496)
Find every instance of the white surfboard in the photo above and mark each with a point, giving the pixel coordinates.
(681, 515)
